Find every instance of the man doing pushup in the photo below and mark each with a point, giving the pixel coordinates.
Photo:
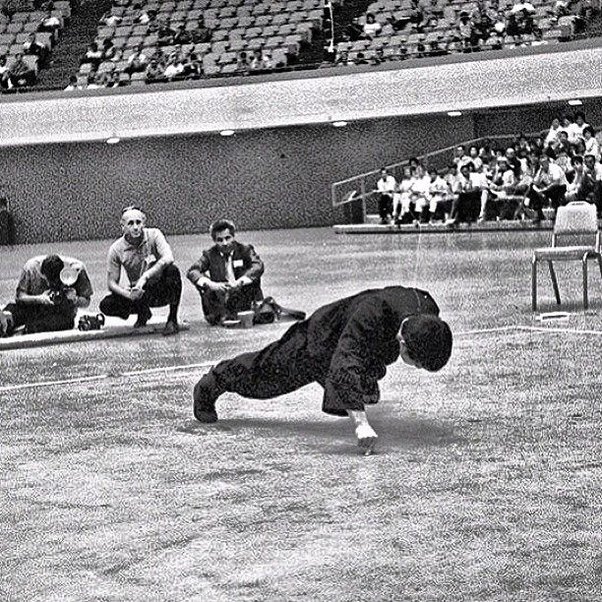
(345, 347)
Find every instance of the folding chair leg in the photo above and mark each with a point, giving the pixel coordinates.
(585, 300)
(554, 282)
(534, 284)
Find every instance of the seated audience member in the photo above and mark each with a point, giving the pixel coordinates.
(421, 194)
(5, 82)
(470, 196)
(51, 24)
(594, 169)
(465, 31)
(402, 198)
(20, 74)
(165, 34)
(146, 258)
(581, 187)
(227, 275)
(475, 159)
(34, 48)
(193, 66)
(591, 144)
(175, 67)
(243, 64)
(548, 188)
(551, 138)
(43, 302)
(354, 31)
(110, 20)
(7, 223)
(441, 197)
(202, 34)
(93, 55)
(385, 186)
(72, 85)
(109, 52)
(182, 36)
(137, 61)
(579, 124)
(513, 161)
(503, 186)
(573, 131)
(460, 156)
(371, 27)
(155, 71)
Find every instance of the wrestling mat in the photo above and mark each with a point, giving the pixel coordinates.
(113, 328)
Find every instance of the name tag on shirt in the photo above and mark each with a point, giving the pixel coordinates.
(237, 263)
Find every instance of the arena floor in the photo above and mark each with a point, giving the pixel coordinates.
(485, 485)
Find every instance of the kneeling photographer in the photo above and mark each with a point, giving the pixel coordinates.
(51, 288)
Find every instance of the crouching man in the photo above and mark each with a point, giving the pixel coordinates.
(345, 347)
(227, 276)
(154, 280)
(50, 290)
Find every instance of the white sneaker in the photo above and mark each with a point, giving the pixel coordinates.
(366, 438)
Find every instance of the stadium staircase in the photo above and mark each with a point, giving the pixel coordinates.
(72, 45)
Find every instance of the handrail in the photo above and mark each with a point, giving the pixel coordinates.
(363, 194)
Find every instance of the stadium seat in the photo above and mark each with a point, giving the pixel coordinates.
(6, 39)
(577, 219)
(14, 27)
(274, 42)
(237, 45)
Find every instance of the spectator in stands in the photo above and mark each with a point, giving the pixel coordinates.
(440, 197)
(417, 16)
(460, 156)
(227, 276)
(243, 64)
(551, 138)
(402, 197)
(142, 17)
(43, 303)
(182, 36)
(109, 52)
(503, 187)
(499, 23)
(432, 8)
(261, 61)
(202, 34)
(354, 31)
(93, 56)
(165, 33)
(155, 71)
(579, 125)
(110, 20)
(513, 161)
(20, 74)
(72, 85)
(154, 280)
(482, 19)
(581, 187)
(475, 159)
(371, 27)
(594, 169)
(385, 187)
(563, 160)
(421, 194)
(51, 24)
(548, 188)
(137, 61)
(466, 33)
(573, 131)
(591, 144)
(7, 223)
(193, 66)
(5, 82)
(471, 196)
(34, 48)
(175, 67)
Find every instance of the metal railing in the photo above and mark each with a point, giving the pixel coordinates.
(362, 187)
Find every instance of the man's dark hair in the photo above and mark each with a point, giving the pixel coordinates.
(428, 340)
(577, 159)
(222, 224)
(51, 268)
(589, 129)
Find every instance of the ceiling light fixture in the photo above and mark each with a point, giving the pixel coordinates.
(575, 102)
(227, 133)
(454, 113)
(339, 124)
(113, 140)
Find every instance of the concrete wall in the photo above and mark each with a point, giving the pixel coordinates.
(276, 178)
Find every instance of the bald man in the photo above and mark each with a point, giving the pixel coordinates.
(148, 263)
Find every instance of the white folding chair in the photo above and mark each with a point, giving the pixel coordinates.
(578, 219)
